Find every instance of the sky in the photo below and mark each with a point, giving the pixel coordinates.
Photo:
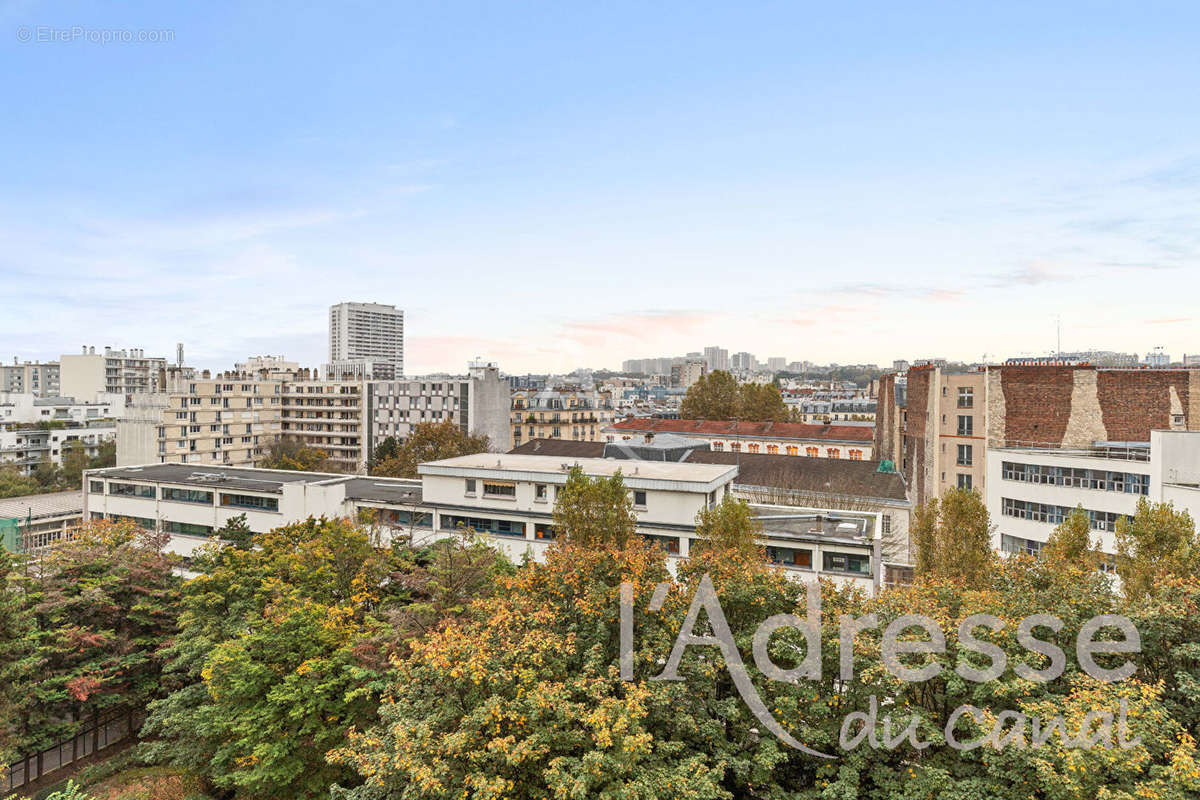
(555, 185)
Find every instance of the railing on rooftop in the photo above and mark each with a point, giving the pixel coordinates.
(1120, 451)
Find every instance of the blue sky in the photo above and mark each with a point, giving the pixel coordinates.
(561, 184)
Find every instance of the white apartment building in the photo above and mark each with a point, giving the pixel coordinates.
(507, 498)
(124, 372)
(478, 402)
(28, 407)
(328, 415)
(366, 341)
(25, 445)
(30, 377)
(1031, 490)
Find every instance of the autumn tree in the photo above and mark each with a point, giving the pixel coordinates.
(713, 396)
(593, 511)
(18, 658)
(1071, 540)
(388, 448)
(430, 441)
(287, 453)
(729, 526)
(761, 402)
(952, 537)
(236, 531)
(14, 484)
(1156, 541)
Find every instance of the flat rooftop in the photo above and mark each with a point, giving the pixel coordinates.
(643, 470)
(259, 480)
(384, 490)
(40, 506)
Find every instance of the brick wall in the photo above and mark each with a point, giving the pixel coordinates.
(1037, 403)
(886, 423)
(1134, 402)
(916, 431)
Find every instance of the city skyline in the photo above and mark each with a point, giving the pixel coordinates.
(849, 188)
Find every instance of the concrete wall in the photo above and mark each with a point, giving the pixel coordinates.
(81, 376)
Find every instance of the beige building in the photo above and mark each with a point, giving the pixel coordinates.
(571, 414)
(224, 420)
(330, 416)
(127, 372)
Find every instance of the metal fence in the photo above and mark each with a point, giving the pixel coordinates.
(100, 734)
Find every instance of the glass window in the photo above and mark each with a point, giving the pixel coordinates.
(187, 528)
(966, 397)
(639, 498)
(539, 492)
(250, 501)
(964, 481)
(471, 486)
(790, 557)
(96, 487)
(848, 562)
(131, 490)
(966, 425)
(965, 455)
(187, 495)
(505, 490)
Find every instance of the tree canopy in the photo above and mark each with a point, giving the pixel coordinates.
(718, 395)
(430, 441)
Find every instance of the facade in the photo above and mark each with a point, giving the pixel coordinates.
(30, 377)
(716, 358)
(847, 409)
(1034, 405)
(328, 415)
(28, 407)
(366, 341)
(223, 420)
(688, 372)
(479, 402)
(852, 442)
(1031, 489)
(572, 414)
(24, 445)
(509, 499)
(269, 364)
(122, 372)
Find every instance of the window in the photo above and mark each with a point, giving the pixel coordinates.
(543, 530)
(540, 492)
(187, 528)
(966, 397)
(96, 487)
(1017, 545)
(856, 455)
(965, 455)
(833, 452)
(1105, 480)
(497, 527)
(772, 449)
(669, 544)
(966, 425)
(639, 498)
(187, 496)
(504, 491)
(812, 452)
(250, 501)
(964, 481)
(790, 557)
(718, 446)
(886, 524)
(847, 562)
(792, 450)
(131, 490)
(470, 487)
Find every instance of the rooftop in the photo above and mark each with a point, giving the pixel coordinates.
(259, 480)
(761, 430)
(55, 504)
(545, 464)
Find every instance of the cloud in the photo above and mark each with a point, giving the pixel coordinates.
(1034, 274)
(1183, 173)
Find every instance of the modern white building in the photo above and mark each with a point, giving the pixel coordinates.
(29, 407)
(24, 446)
(366, 341)
(1031, 490)
(508, 498)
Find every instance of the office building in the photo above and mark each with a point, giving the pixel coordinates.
(366, 342)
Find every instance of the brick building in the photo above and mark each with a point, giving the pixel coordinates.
(937, 425)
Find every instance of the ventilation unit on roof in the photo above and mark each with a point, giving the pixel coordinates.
(207, 476)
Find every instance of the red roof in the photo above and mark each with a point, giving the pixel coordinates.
(766, 430)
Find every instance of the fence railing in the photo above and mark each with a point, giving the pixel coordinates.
(100, 734)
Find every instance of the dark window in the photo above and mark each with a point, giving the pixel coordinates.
(964, 481)
(848, 562)
(470, 486)
(250, 501)
(965, 455)
(639, 498)
(966, 425)
(96, 487)
(187, 496)
(187, 528)
(790, 557)
(966, 397)
(505, 490)
(131, 490)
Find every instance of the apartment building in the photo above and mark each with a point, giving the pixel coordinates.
(29, 407)
(328, 415)
(507, 498)
(1032, 489)
(848, 441)
(938, 426)
(124, 372)
(25, 445)
(30, 377)
(366, 341)
(567, 413)
(478, 402)
(688, 372)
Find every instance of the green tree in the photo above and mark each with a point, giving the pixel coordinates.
(48, 476)
(1156, 541)
(1071, 540)
(18, 658)
(761, 402)
(284, 647)
(952, 537)
(594, 511)
(715, 396)
(236, 531)
(388, 448)
(14, 484)
(430, 441)
(730, 527)
(287, 453)
(74, 461)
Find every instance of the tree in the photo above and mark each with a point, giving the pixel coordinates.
(952, 537)
(730, 527)
(14, 484)
(714, 396)
(284, 647)
(74, 462)
(430, 441)
(287, 453)
(1156, 541)
(236, 531)
(1071, 540)
(388, 448)
(18, 658)
(718, 395)
(594, 511)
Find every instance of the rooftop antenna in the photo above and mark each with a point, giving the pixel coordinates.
(1058, 324)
